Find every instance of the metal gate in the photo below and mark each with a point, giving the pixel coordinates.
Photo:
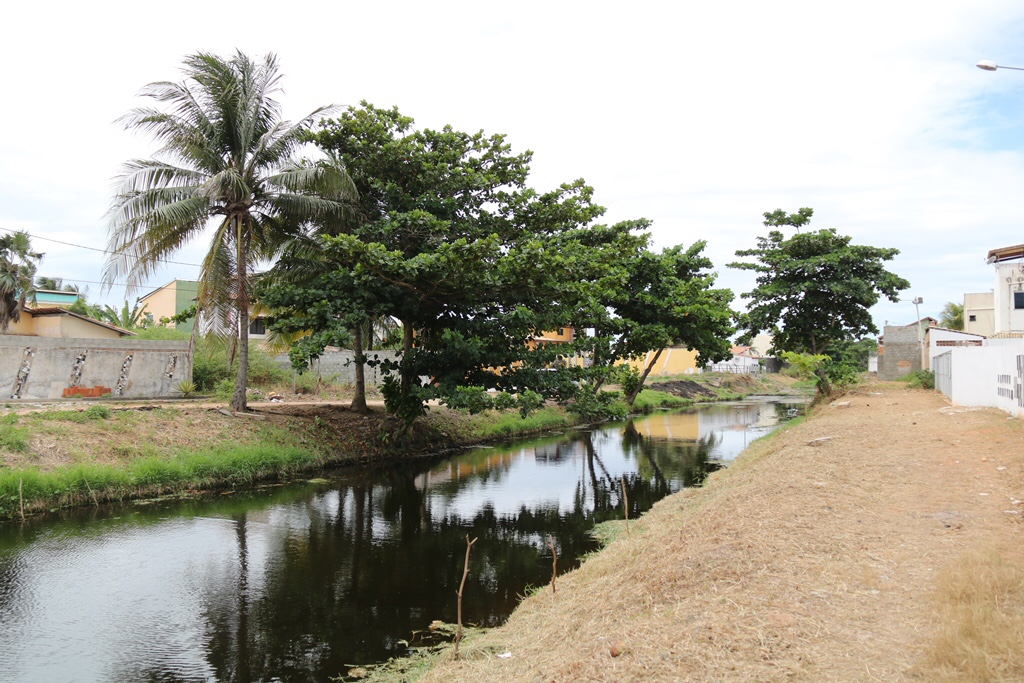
(942, 366)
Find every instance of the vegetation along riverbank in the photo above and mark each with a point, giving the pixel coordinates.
(87, 452)
(877, 540)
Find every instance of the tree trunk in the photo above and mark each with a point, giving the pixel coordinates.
(640, 385)
(359, 399)
(824, 388)
(407, 339)
(238, 400)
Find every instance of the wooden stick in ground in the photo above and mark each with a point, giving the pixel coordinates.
(21, 500)
(554, 563)
(465, 573)
(625, 502)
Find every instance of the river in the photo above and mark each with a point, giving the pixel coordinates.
(298, 582)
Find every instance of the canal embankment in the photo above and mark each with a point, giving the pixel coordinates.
(878, 540)
(68, 454)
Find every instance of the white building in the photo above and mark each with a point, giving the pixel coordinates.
(1008, 292)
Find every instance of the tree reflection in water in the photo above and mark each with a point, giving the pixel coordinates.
(315, 577)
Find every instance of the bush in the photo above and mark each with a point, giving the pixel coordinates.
(606, 405)
(922, 379)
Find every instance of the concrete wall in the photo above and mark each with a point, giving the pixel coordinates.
(902, 352)
(338, 366)
(941, 340)
(991, 375)
(36, 368)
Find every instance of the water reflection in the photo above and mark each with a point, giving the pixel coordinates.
(295, 583)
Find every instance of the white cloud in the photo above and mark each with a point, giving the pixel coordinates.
(700, 116)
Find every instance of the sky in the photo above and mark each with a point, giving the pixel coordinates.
(697, 116)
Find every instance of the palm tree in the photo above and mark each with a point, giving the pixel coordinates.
(128, 318)
(17, 272)
(227, 160)
(952, 316)
(55, 284)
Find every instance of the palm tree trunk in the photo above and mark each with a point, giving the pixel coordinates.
(238, 401)
(359, 399)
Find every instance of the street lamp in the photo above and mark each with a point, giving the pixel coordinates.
(989, 65)
(917, 301)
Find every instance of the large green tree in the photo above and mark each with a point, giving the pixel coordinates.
(227, 163)
(449, 240)
(665, 299)
(815, 288)
(433, 225)
(17, 271)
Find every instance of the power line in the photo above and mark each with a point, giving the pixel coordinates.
(82, 246)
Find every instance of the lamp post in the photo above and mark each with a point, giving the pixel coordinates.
(989, 65)
(917, 301)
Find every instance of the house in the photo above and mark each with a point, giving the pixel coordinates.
(902, 349)
(177, 296)
(170, 300)
(60, 323)
(52, 297)
(979, 313)
(674, 360)
(1008, 290)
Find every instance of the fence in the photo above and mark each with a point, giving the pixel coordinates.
(735, 368)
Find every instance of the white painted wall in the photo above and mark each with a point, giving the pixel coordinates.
(950, 338)
(1009, 280)
(990, 375)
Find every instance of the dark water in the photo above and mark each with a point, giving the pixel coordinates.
(294, 583)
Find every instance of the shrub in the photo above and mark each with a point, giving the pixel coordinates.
(922, 379)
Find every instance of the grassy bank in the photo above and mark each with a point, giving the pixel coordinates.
(101, 452)
(61, 458)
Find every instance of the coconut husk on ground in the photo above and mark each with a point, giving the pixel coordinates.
(852, 547)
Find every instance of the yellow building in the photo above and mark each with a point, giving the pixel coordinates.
(674, 360)
(60, 323)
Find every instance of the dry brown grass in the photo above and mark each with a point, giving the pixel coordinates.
(980, 614)
(804, 562)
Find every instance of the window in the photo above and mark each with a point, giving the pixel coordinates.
(1018, 299)
(972, 318)
(258, 326)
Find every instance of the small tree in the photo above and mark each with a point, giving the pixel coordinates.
(814, 289)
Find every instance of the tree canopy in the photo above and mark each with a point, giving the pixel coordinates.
(228, 159)
(449, 240)
(815, 288)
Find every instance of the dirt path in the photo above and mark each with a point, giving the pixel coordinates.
(835, 551)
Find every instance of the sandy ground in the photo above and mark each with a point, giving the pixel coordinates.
(815, 558)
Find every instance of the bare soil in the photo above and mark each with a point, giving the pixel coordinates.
(832, 551)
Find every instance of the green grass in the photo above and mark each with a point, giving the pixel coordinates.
(224, 466)
(649, 400)
(494, 424)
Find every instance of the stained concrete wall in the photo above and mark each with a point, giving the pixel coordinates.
(339, 368)
(901, 352)
(37, 368)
